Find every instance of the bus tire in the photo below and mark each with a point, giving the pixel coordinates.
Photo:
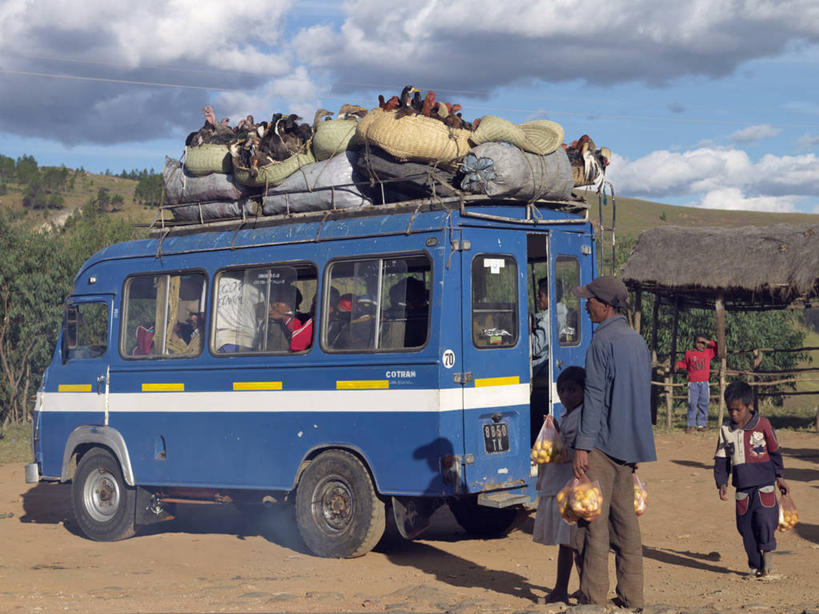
(481, 520)
(338, 512)
(104, 505)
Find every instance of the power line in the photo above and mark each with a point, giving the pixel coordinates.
(595, 115)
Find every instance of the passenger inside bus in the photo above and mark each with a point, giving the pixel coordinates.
(356, 316)
(277, 332)
(539, 398)
(405, 322)
(186, 337)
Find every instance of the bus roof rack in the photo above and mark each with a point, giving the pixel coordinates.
(528, 212)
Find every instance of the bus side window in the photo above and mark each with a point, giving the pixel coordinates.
(85, 333)
(567, 276)
(494, 301)
(163, 315)
(378, 304)
(258, 309)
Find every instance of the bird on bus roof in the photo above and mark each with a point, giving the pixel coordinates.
(351, 111)
(212, 132)
(409, 102)
(321, 114)
(388, 105)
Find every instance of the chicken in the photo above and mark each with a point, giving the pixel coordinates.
(389, 105)
(352, 111)
(321, 114)
(212, 132)
(428, 103)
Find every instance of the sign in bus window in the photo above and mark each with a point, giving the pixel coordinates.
(263, 310)
(494, 301)
(567, 276)
(378, 304)
(163, 316)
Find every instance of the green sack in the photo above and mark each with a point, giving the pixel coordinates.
(333, 137)
(274, 173)
(207, 159)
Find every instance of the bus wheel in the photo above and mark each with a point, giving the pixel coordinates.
(481, 520)
(104, 505)
(338, 512)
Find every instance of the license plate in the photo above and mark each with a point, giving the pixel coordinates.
(496, 437)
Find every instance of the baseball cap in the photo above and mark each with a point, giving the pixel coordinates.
(607, 289)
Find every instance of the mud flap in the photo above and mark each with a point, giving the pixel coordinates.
(148, 509)
(412, 514)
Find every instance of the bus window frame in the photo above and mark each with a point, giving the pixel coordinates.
(325, 295)
(516, 306)
(561, 258)
(293, 264)
(123, 320)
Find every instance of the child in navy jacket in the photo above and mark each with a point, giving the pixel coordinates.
(749, 451)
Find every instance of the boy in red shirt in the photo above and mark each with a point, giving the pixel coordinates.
(698, 364)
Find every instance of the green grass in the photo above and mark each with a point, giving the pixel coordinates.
(15, 445)
(633, 216)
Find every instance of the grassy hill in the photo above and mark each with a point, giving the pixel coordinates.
(633, 216)
(86, 188)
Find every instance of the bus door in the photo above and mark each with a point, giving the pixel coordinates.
(495, 367)
(571, 264)
(77, 384)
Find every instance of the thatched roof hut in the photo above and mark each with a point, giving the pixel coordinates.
(753, 267)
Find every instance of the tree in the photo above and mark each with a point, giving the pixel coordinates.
(36, 274)
(149, 189)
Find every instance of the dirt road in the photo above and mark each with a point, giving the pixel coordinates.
(219, 560)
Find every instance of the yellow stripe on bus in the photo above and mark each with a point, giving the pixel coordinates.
(497, 381)
(74, 388)
(163, 387)
(364, 384)
(257, 385)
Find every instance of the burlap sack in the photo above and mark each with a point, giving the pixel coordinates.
(413, 138)
(332, 137)
(539, 137)
(271, 174)
(183, 187)
(502, 170)
(206, 159)
(328, 184)
(208, 212)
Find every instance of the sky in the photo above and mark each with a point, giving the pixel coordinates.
(705, 103)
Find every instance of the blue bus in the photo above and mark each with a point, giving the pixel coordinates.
(363, 365)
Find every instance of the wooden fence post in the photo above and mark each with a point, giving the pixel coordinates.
(719, 306)
(669, 402)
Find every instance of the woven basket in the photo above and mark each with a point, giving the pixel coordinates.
(539, 137)
(272, 174)
(332, 137)
(413, 138)
(207, 159)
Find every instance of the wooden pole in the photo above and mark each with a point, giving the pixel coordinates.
(669, 398)
(655, 391)
(719, 306)
(758, 355)
(638, 309)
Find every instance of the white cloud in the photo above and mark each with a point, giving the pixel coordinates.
(755, 133)
(481, 44)
(734, 199)
(807, 141)
(727, 178)
(107, 49)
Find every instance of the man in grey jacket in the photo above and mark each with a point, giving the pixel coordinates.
(615, 434)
